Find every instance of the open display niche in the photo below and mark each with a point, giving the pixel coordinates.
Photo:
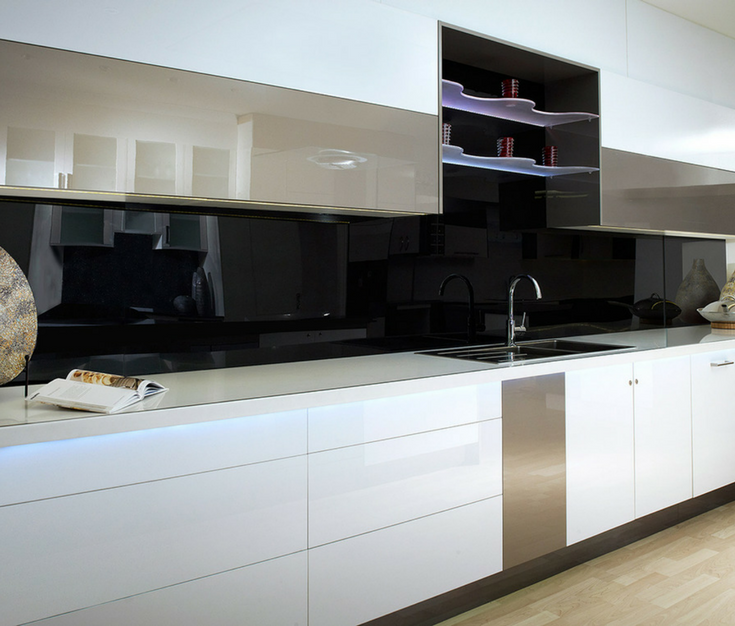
(557, 105)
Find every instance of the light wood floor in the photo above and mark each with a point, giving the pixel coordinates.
(684, 575)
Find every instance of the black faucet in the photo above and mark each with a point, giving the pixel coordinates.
(471, 329)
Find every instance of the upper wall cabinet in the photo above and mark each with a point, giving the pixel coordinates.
(649, 193)
(520, 131)
(78, 127)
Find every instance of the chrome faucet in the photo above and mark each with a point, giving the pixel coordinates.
(471, 330)
(512, 328)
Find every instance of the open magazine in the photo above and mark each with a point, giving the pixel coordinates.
(95, 391)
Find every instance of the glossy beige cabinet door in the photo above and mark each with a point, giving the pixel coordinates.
(73, 125)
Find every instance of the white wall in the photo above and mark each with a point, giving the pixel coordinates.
(357, 49)
(667, 90)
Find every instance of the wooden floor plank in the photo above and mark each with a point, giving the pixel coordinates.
(682, 576)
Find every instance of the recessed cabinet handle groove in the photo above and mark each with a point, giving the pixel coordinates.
(722, 364)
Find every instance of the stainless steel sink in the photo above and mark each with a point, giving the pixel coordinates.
(526, 351)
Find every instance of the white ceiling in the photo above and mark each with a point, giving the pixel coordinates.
(718, 15)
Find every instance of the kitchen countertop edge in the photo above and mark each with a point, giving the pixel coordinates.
(209, 395)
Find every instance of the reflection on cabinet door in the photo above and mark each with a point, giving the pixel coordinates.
(155, 168)
(82, 226)
(30, 157)
(713, 426)
(210, 173)
(95, 163)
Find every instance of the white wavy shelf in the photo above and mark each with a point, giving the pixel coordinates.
(514, 109)
(455, 155)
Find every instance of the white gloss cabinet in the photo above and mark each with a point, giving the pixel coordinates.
(643, 118)
(663, 434)
(599, 449)
(362, 488)
(354, 423)
(713, 424)
(73, 466)
(270, 593)
(78, 551)
(374, 574)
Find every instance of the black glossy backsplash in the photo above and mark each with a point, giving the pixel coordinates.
(270, 288)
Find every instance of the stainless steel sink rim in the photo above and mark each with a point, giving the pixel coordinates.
(522, 352)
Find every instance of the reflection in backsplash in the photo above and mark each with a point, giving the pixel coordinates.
(135, 291)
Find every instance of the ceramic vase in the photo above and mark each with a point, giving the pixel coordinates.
(728, 291)
(697, 290)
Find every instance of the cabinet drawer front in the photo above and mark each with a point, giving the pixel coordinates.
(362, 488)
(371, 420)
(101, 546)
(272, 593)
(365, 577)
(65, 467)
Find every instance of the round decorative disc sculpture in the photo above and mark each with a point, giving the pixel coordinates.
(18, 319)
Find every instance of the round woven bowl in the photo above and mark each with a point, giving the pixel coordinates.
(18, 319)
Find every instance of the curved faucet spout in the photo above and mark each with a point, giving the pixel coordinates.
(471, 329)
(511, 335)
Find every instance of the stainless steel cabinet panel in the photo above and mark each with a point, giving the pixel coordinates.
(534, 468)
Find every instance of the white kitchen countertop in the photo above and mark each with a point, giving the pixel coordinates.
(235, 392)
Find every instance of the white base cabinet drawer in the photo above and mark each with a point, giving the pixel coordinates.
(60, 468)
(362, 488)
(69, 553)
(354, 423)
(364, 577)
(272, 593)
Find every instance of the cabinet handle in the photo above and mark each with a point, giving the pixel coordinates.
(722, 364)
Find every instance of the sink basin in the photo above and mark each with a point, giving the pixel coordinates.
(526, 351)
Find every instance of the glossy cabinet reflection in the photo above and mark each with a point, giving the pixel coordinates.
(76, 122)
(649, 193)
